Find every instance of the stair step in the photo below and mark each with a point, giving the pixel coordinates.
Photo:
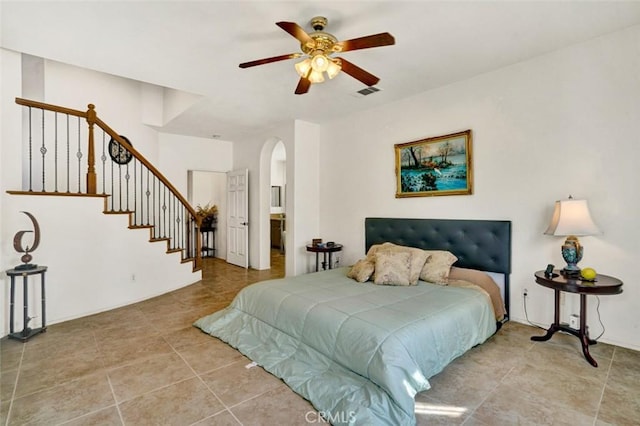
(155, 240)
(140, 226)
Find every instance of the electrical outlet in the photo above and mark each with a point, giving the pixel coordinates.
(574, 321)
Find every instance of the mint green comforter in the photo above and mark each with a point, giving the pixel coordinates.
(358, 352)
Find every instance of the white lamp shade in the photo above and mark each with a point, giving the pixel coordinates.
(572, 217)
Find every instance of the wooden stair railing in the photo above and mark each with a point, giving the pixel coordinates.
(136, 188)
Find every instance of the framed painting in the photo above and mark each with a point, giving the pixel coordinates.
(440, 165)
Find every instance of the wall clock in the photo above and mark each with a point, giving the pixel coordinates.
(118, 152)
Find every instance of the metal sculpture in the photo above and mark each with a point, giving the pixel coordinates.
(17, 244)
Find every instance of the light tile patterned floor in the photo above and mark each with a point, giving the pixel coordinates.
(145, 364)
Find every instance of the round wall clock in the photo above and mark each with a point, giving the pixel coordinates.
(118, 152)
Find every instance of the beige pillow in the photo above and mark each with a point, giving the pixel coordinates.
(436, 268)
(483, 280)
(374, 248)
(392, 267)
(418, 258)
(361, 271)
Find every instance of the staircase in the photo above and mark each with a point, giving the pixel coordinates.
(61, 149)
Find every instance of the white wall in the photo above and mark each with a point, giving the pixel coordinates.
(10, 148)
(564, 123)
(306, 197)
(125, 105)
(179, 153)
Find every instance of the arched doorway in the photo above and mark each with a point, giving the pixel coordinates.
(277, 215)
(273, 203)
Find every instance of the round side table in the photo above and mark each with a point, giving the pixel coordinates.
(602, 285)
(326, 251)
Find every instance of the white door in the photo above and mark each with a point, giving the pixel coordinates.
(238, 217)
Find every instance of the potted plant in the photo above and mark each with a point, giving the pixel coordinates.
(208, 216)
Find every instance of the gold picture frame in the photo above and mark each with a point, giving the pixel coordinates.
(435, 166)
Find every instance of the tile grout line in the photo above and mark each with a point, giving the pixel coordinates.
(488, 395)
(604, 386)
(15, 384)
(106, 373)
(115, 400)
(226, 408)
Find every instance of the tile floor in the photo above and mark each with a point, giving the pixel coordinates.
(145, 364)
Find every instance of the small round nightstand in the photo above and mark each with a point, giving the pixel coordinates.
(325, 250)
(602, 285)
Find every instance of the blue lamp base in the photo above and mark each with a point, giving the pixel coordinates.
(572, 253)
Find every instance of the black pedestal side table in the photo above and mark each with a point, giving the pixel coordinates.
(557, 281)
(325, 250)
(208, 241)
(26, 332)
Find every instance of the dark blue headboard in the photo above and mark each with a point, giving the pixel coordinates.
(478, 244)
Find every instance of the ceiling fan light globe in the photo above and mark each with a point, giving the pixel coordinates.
(316, 77)
(320, 63)
(333, 69)
(303, 67)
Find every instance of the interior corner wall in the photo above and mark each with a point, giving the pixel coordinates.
(10, 170)
(179, 154)
(559, 124)
(211, 188)
(119, 102)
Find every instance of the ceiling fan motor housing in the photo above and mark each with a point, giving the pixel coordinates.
(323, 43)
(318, 23)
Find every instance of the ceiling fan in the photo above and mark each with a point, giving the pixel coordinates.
(318, 49)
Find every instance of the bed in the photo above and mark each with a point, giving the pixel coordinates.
(360, 352)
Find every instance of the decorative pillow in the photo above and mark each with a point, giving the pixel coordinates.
(361, 271)
(392, 267)
(418, 258)
(436, 268)
(374, 248)
(483, 280)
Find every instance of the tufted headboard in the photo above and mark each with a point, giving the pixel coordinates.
(478, 244)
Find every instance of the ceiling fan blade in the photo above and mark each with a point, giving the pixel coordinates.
(269, 60)
(296, 31)
(376, 40)
(303, 86)
(358, 73)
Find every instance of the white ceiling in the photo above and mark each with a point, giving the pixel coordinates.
(196, 47)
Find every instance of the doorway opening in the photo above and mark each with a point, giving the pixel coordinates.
(205, 188)
(277, 209)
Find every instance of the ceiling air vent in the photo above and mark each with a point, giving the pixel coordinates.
(366, 91)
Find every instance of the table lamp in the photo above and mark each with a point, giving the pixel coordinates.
(571, 218)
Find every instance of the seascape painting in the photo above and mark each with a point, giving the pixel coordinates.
(435, 166)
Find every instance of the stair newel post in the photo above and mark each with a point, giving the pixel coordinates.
(91, 170)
